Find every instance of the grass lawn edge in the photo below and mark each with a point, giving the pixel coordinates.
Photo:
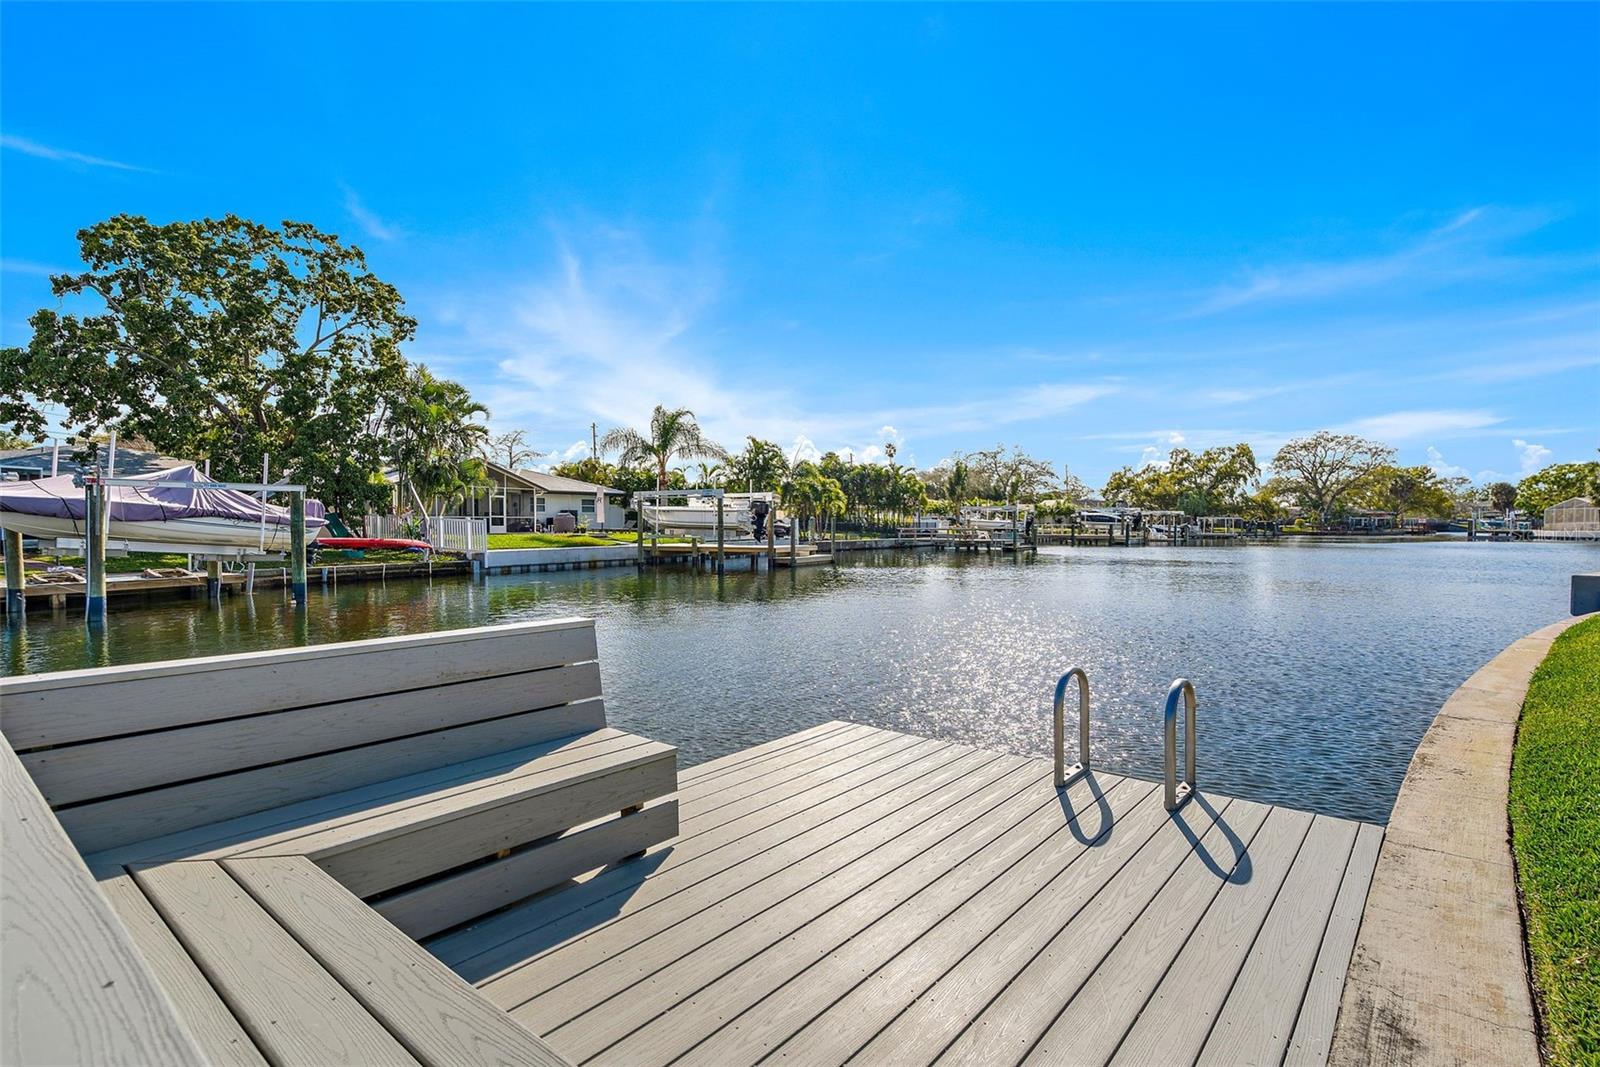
(1555, 839)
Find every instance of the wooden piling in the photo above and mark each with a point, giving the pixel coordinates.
(97, 521)
(721, 543)
(297, 547)
(16, 577)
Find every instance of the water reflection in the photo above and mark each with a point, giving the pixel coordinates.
(1317, 668)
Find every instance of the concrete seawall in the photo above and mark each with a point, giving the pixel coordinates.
(1438, 975)
(522, 560)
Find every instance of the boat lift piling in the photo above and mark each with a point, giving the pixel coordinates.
(297, 547)
(16, 578)
(96, 525)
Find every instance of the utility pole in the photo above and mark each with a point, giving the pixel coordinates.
(594, 441)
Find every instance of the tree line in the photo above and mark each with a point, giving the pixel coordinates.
(231, 341)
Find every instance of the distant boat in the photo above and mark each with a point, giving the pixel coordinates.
(174, 515)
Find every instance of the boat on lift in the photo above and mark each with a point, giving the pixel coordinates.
(698, 515)
(200, 513)
(996, 517)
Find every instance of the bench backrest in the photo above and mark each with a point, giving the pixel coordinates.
(130, 753)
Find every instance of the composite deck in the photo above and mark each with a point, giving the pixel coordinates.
(854, 894)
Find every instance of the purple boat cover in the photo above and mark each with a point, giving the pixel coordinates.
(59, 498)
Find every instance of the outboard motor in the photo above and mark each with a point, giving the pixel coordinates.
(759, 510)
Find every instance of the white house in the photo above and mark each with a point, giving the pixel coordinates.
(528, 500)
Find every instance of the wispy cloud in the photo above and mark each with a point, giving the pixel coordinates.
(376, 228)
(613, 329)
(1402, 426)
(1468, 247)
(1523, 361)
(64, 155)
(28, 266)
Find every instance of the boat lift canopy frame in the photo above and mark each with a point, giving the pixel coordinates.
(221, 552)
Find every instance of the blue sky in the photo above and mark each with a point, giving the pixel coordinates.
(1094, 231)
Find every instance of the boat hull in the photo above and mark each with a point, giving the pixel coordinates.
(697, 520)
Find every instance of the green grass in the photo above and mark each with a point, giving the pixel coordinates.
(132, 563)
(136, 562)
(1555, 833)
(538, 540)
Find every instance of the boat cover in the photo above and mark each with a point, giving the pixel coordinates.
(59, 498)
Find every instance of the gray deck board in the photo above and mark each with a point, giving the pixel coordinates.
(685, 889)
(852, 893)
(855, 795)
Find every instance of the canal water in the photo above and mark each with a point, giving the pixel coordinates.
(1318, 666)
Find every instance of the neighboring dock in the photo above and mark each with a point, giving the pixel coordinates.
(850, 891)
(56, 595)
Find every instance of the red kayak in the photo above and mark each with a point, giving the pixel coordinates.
(373, 542)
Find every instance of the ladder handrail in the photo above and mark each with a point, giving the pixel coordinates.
(1177, 794)
(1064, 773)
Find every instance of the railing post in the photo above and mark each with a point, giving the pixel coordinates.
(1065, 774)
(1178, 793)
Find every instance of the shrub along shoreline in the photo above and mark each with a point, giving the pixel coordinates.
(1555, 836)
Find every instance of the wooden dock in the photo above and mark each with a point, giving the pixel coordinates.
(854, 892)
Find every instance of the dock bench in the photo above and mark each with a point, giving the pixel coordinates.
(274, 831)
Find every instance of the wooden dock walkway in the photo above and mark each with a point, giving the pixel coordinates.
(849, 892)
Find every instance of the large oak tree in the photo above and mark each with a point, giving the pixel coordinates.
(1321, 470)
(221, 339)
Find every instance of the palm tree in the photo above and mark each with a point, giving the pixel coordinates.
(435, 434)
(958, 483)
(709, 473)
(673, 435)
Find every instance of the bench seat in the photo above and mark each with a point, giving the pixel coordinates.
(439, 848)
(276, 831)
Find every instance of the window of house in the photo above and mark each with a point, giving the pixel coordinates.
(587, 503)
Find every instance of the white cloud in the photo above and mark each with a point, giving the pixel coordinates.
(613, 330)
(1436, 462)
(1151, 456)
(375, 227)
(1410, 425)
(576, 450)
(1463, 249)
(27, 266)
(804, 450)
(1530, 456)
(63, 155)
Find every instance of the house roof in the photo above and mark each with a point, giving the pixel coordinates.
(130, 461)
(546, 483)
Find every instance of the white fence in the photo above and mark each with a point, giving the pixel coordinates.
(446, 533)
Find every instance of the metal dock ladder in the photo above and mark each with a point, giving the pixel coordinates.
(1178, 793)
(1065, 774)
